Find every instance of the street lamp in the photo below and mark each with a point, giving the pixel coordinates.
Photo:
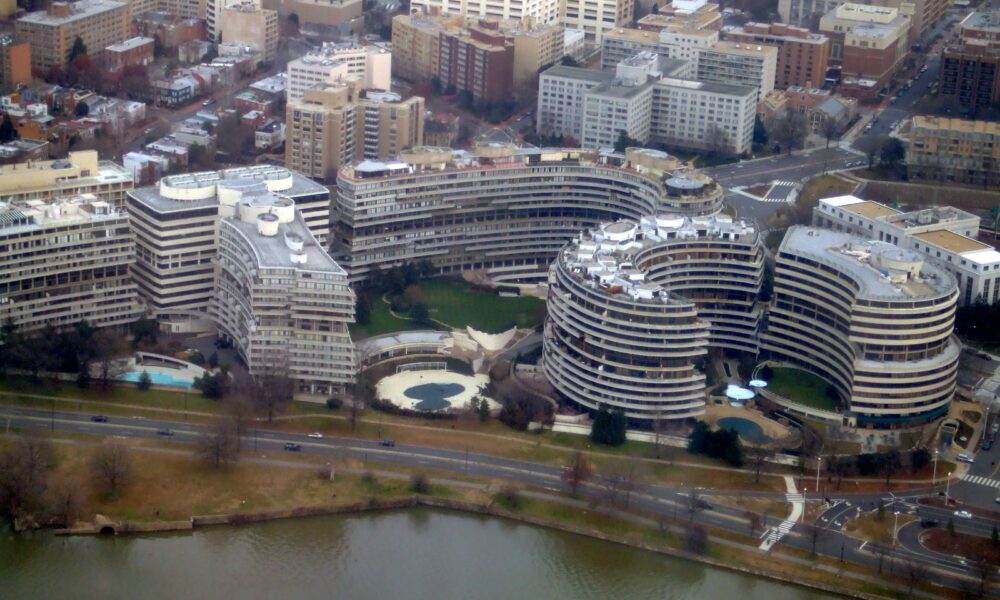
(934, 477)
(947, 486)
(895, 527)
(819, 467)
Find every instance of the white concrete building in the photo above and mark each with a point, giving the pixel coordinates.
(371, 64)
(946, 235)
(541, 11)
(703, 116)
(738, 63)
(596, 17)
(561, 92)
(624, 105)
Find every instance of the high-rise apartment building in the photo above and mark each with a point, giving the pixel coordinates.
(479, 61)
(79, 173)
(740, 64)
(802, 55)
(15, 63)
(176, 224)
(52, 32)
(872, 319)
(684, 44)
(501, 210)
(970, 74)
(947, 236)
(280, 298)
(338, 124)
(65, 260)
(954, 151)
(246, 23)
(537, 11)
(369, 64)
(869, 42)
(596, 17)
(923, 14)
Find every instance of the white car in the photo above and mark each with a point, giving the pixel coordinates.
(963, 514)
(316, 435)
(965, 458)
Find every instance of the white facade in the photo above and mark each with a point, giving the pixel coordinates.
(692, 114)
(542, 11)
(596, 17)
(561, 92)
(372, 64)
(740, 64)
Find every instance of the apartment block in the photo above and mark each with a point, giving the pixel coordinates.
(323, 14)
(500, 209)
(416, 40)
(51, 32)
(338, 124)
(538, 11)
(369, 64)
(177, 222)
(869, 42)
(692, 15)
(281, 300)
(64, 260)
(655, 102)
(137, 51)
(971, 74)
(246, 23)
(802, 55)
(479, 61)
(15, 63)
(741, 64)
(945, 235)
(596, 17)
(681, 42)
(873, 319)
(79, 173)
(981, 28)
(923, 14)
(954, 151)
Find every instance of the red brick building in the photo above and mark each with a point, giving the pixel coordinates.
(479, 60)
(137, 51)
(802, 55)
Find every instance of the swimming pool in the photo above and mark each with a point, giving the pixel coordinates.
(747, 429)
(433, 396)
(158, 378)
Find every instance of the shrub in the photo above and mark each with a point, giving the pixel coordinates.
(334, 403)
(419, 483)
(145, 381)
(509, 497)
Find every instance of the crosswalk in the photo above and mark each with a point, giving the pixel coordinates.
(979, 480)
(773, 536)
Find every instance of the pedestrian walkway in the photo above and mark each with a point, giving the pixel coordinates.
(773, 536)
(979, 480)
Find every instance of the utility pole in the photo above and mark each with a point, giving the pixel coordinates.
(819, 467)
(947, 486)
(934, 477)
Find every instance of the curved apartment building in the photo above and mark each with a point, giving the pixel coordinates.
(872, 319)
(634, 306)
(500, 209)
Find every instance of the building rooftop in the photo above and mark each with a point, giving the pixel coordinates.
(744, 48)
(706, 86)
(129, 44)
(982, 20)
(273, 85)
(618, 89)
(951, 241)
(881, 270)
(799, 35)
(291, 247)
(957, 125)
(579, 73)
(74, 11)
(37, 214)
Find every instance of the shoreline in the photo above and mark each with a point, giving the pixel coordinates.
(102, 524)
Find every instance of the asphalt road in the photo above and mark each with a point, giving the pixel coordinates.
(662, 500)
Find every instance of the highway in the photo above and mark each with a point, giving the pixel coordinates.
(665, 501)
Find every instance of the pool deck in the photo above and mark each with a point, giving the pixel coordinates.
(772, 429)
(393, 388)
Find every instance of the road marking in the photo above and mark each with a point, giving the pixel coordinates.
(979, 480)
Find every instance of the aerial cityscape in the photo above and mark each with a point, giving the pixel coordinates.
(483, 299)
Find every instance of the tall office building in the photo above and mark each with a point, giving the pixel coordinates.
(66, 260)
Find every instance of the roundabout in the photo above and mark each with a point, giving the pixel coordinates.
(432, 390)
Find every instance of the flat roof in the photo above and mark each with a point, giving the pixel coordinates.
(272, 251)
(952, 241)
(129, 44)
(78, 10)
(706, 86)
(579, 73)
(871, 210)
(953, 124)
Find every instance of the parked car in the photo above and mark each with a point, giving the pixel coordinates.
(704, 504)
(997, 499)
(292, 447)
(963, 514)
(928, 523)
(965, 458)
(389, 443)
(987, 444)
(316, 435)
(165, 431)
(99, 419)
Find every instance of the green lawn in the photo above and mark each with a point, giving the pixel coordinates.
(456, 304)
(802, 387)
(122, 394)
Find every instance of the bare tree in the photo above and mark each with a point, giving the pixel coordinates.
(218, 443)
(694, 504)
(657, 430)
(830, 129)
(870, 145)
(696, 540)
(881, 552)
(631, 480)
(754, 520)
(356, 409)
(23, 474)
(816, 533)
(577, 472)
(985, 571)
(108, 347)
(240, 410)
(717, 140)
(759, 454)
(788, 129)
(914, 571)
(273, 389)
(67, 499)
(112, 467)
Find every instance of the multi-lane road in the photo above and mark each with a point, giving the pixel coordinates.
(666, 501)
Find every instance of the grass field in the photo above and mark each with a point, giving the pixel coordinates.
(802, 387)
(456, 304)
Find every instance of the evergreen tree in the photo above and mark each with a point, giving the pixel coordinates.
(78, 49)
(7, 130)
(599, 430)
(484, 410)
(145, 381)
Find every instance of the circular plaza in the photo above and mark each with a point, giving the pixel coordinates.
(432, 390)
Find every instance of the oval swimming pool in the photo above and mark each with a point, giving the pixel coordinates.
(747, 429)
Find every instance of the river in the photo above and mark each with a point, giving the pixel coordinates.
(411, 554)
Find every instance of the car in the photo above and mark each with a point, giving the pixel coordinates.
(987, 444)
(997, 499)
(869, 126)
(388, 443)
(704, 504)
(207, 103)
(963, 514)
(165, 431)
(965, 458)
(316, 435)
(995, 428)
(928, 523)
(292, 447)
(99, 419)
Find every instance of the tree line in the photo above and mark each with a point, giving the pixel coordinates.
(81, 349)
